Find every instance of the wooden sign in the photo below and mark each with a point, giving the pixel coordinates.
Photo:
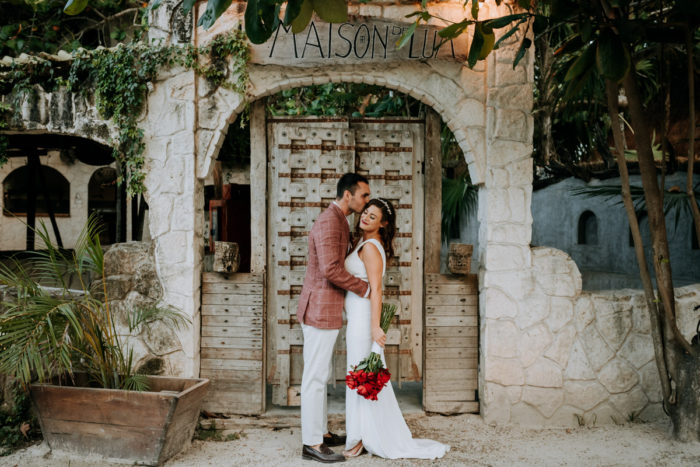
(360, 40)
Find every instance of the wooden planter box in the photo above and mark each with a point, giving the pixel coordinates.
(145, 427)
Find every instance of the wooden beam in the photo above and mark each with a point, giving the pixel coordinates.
(433, 192)
(258, 187)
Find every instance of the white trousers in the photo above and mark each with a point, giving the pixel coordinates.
(318, 359)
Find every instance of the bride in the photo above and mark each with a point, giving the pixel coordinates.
(376, 426)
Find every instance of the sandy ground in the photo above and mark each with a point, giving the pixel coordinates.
(259, 442)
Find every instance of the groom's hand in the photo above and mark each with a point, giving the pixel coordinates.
(379, 336)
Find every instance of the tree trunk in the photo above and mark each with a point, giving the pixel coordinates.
(611, 90)
(691, 133)
(655, 210)
(684, 413)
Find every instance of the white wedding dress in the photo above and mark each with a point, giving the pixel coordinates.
(378, 424)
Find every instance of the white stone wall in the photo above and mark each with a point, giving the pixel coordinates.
(13, 230)
(574, 357)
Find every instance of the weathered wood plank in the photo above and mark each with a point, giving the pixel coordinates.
(232, 342)
(433, 192)
(450, 363)
(443, 342)
(243, 376)
(453, 374)
(238, 277)
(451, 289)
(452, 310)
(102, 406)
(450, 352)
(232, 331)
(456, 331)
(450, 385)
(75, 436)
(251, 322)
(451, 300)
(231, 354)
(209, 364)
(456, 395)
(258, 189)
(232, 288)
(431, 279)
(453, 407)
(451, 321)
(227, 299)
(232, 310)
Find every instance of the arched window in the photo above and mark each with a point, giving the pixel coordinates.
(52, 190)
(102, 198)
(587, 229)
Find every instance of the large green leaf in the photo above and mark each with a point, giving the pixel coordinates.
(403, 40)
(454, 30)
(74, 7)
(475, 48)
(332, 11)
(612, 58)
(261, 19)
(524, 45)
(489, 40)
(186, 5)
(215, 8)
(302, 19)
(504, 21)
(292, 11)
(582, 64)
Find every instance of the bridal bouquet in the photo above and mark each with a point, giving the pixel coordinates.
(369, 376)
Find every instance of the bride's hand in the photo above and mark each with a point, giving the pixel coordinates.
(379, 336)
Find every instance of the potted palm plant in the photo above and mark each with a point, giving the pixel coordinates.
(61, 340)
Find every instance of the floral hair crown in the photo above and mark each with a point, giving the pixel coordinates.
(386, 205)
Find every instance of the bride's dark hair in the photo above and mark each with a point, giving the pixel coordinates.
(387, 233)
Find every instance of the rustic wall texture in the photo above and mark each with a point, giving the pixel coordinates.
(549, 353)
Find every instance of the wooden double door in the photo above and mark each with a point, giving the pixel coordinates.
(305, 158)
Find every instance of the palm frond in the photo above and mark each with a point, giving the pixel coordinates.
(458, 196)
(676, 202)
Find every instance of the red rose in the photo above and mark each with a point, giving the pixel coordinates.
(350, 381)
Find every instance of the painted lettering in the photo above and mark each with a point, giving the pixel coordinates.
(378, 35)
(346, 39)
(286, 31)
(365, 39)
(312, 27)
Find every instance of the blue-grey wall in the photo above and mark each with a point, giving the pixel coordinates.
(611, 264)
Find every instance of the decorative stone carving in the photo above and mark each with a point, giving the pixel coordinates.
(459, 258)
(226, 257)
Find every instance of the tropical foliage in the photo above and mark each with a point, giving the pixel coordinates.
(33, 26)
(51, 329)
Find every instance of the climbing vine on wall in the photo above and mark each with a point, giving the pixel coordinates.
(119, 79)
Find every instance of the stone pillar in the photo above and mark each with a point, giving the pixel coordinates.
(505, 230)
(174, 195)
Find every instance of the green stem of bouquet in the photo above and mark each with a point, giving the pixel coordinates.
(388, 312)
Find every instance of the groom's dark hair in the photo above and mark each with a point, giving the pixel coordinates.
(349, 182)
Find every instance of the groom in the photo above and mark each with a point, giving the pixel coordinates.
(320, 312)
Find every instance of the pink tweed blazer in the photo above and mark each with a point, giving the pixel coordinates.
(326, 280)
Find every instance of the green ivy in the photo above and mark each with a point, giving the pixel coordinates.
(119, 80)
(18, 426)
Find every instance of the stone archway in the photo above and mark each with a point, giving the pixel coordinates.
(487, 108)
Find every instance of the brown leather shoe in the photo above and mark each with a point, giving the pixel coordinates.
(333, 440)
(324, 454)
